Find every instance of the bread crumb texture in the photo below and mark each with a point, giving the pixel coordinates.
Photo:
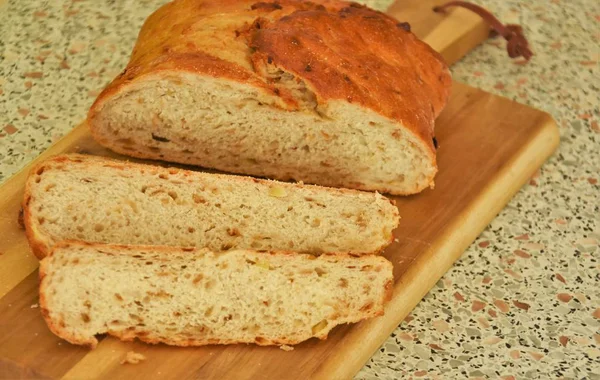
(195, 297)
(94, 199)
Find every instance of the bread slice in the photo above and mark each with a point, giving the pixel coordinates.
(331, 93)
(191, 297)
(94, 199)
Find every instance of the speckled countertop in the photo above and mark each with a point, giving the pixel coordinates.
(524, 300)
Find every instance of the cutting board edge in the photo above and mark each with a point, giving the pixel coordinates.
(444, 252)
(467, 42)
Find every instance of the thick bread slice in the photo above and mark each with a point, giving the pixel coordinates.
(195, 297)
(330, 92)
(94, 199)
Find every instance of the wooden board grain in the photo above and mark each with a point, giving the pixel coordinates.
(499, 143)
(452, 34)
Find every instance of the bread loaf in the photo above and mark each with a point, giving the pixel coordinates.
(79, 197)
(331, 93)
(195, 297)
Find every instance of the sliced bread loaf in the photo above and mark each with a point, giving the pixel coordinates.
(326, 92)
(189, 297)
(94, 199)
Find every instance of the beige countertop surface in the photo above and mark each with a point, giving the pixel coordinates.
(524, 299)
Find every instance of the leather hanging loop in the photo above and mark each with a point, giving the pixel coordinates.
(517, 45)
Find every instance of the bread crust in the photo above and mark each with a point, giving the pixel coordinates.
(57, 329)
(325, 50)
(38, 242)
(341, 51)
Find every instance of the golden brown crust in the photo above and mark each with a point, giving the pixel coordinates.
(343, 51)
(37, 243)
(171, 39)
(361, 56)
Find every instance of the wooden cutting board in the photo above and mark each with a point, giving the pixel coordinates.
(489, 147)
(453, 34)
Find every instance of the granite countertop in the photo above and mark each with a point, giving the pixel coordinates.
(522, 302)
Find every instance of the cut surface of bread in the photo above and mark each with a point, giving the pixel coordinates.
(331, 93)
(95, 199)
(196, 297)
